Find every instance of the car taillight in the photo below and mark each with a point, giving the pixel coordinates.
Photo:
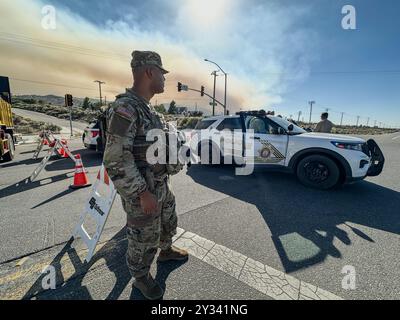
(95, 134)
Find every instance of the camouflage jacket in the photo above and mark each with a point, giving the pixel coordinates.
(129, 119)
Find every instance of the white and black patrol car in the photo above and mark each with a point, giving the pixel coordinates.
(319, 160)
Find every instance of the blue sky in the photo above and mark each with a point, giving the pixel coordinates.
(279, 54)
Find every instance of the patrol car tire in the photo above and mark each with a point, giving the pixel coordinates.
(318, 172)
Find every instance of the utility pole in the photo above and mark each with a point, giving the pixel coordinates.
(368, 122)
(100, 83)
(358, 119)
(341, 119)
(214, 73)
(311, 104)
(298, 118)
(226, 76)
(375, 124)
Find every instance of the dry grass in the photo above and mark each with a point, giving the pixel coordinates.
(27, 126)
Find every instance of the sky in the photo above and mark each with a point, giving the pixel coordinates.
(278, 54)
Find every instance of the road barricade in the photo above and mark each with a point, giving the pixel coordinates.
(97, 207)
(56, 144)
(45, 139)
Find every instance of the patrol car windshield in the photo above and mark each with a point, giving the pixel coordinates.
(285, 124)
(204, 124)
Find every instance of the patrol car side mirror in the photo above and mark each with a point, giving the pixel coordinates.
(290, 127)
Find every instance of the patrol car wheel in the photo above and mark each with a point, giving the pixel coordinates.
(319, 172)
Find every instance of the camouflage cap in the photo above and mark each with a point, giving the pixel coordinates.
(142, 58)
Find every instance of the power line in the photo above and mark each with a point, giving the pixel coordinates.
(21, 39)
(58, 85)
(117, 56)
(62, 46)
(52, 84)
(337, 72)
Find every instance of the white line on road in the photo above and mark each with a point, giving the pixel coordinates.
(395, 138)
(271, 282)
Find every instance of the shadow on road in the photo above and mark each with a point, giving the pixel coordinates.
(89, 158)
(304, 222)
(25, 184)
(75, 286)
(24, 162)
(55, 197)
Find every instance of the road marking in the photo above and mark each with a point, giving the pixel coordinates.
(395, 138)
(271, 282)
(16, 284)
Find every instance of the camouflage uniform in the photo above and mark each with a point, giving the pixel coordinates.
(129, 120)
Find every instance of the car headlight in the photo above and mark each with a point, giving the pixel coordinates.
(348, 145)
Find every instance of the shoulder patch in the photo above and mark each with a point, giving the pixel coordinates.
(125, 112)
(121, 118)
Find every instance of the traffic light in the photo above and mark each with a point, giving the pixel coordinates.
(179, 87)
(202, 91)
(68, 100)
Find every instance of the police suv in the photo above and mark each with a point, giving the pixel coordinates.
(319, 160)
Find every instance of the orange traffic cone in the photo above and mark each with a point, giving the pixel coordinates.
(45, 142)
(64, 154)
(80, 178)
(61, 152)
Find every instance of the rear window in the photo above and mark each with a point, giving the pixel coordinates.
(204, 124)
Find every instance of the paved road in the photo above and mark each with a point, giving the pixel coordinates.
(263, 236)
(77, 126)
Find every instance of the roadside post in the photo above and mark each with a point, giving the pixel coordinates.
(69, 103)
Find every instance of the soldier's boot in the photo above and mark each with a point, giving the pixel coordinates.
(149, 287)
(173, 253)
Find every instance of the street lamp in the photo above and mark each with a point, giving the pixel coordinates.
(311, 104)
(225, 74)
(214, 73)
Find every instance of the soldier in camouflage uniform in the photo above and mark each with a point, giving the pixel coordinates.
(144, 189)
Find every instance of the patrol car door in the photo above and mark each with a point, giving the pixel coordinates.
(270, 142)
(230, 145)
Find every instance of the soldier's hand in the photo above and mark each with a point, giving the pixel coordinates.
(148, 202)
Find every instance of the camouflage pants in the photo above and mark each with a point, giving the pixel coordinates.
(147, 233)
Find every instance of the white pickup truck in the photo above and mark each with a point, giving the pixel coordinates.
(319, 160)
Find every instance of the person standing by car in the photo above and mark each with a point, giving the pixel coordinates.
(144, 187)
(324, 126)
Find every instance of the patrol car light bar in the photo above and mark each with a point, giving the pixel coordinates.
(261, 113)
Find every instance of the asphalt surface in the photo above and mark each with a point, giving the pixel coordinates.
(269, 217)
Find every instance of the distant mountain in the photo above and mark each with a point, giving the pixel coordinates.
(52, 99)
